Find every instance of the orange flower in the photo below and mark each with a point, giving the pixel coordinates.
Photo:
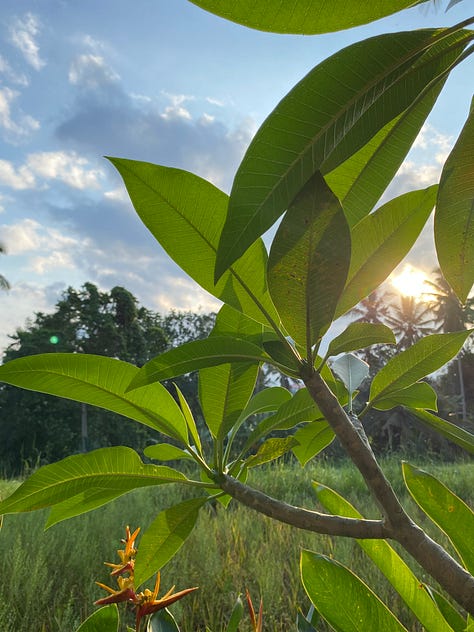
(257, 620)
(126, 592)
(147, 602)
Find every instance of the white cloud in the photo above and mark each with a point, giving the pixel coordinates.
(53, 261)
(62, 166)
(22, 237)
(66, 167)
(118, 195)
(91, 71)
(11, 75)
(17, 179)
(23, 34)
(183, 294)
(23, 126)
(176, 110)
(216, 102)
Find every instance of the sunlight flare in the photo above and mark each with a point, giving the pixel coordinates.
(412, 282)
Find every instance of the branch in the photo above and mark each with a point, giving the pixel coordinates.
(301, 518)
(455, 580)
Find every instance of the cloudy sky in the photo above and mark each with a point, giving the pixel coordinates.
(155, 80)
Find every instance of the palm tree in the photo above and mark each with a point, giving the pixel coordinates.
(374, 308)
(4, 285)
(451, 315)
(410, 320)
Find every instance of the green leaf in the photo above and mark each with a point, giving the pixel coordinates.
(270, 450)
(358, 336)
(112, 469)
(445, 509)
(223, 392)
(162, 621)
(98, 381)
(452, 432)
(361, 180)
(418, 395)
(352, 371)
(312, 439)
(186, 214)
(283, 353)
(236, 616)
(398, 573)
(424, 357)
(327, 117)
(295, 410)
(302, 16)
(199, 354)
(165, 536)
(81, 503)
(265, 401)
(230, 322)
(308, 262)
(166, 452)
(381, 240)
(105, 619)
(188, 415)
(347, 604)
(454, 216)
(449, 612)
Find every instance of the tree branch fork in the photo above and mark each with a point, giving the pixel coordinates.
(395, 523)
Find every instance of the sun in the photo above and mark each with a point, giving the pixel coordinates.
(411, 281)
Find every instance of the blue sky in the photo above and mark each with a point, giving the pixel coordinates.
(156, 80)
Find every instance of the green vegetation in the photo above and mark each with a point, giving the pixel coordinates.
(321, 161)
(51, 574)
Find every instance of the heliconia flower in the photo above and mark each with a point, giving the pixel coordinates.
(257, 620)
(147, 602)
(130, 551)
(126, 592)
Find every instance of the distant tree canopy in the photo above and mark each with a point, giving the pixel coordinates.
(37, 429)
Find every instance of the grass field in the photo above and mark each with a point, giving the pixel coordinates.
(48, 577)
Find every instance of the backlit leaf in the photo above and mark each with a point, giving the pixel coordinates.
(327, 117)
(424, 357)
(116, 470)
(362, 179)
(302, 16)
(165, 452)
(196, 355)
(347, 604)
(395, 569)
(105, 619)
(165, 536)
(98, 381)
(360, 335)
(447, 510)
(418, 395)
(454, 216)
(381, 240)
(270, 450)
(454, 433)
(311, 440)
(308, 262)
(185, 214)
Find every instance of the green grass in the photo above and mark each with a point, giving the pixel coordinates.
(48, 577)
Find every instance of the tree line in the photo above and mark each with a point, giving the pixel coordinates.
(37, 429)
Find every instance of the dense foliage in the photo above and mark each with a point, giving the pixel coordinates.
(35, 429)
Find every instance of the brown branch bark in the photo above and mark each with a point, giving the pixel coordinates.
(431, 556)
(301, 518)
